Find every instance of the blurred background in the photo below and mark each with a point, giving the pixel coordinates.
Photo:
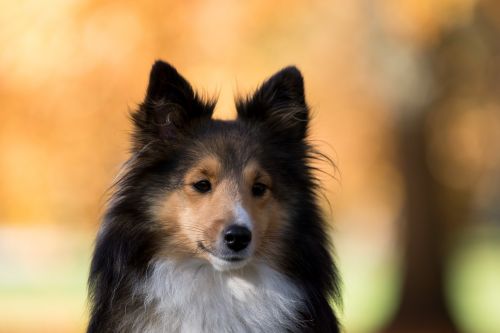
(405, 96)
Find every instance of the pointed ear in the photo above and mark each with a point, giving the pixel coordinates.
(278, 104)
(170, 106)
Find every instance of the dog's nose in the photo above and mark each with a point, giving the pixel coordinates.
(237, 237)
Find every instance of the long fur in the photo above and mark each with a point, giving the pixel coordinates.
(197, 299)
(135, 287)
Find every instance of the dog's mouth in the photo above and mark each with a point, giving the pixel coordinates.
(223, 262)
(202, 247)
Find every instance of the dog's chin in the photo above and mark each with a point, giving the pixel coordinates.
(221, 264)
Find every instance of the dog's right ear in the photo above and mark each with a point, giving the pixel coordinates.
(278, 104)
(169, 108)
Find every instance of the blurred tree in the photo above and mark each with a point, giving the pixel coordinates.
(441, 165)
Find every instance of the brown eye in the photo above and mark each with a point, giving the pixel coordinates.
(203, 186)
(258, 189)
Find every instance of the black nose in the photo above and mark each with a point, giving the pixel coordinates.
(237, 237)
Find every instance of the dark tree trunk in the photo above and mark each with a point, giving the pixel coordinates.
(433, 210)
(422, 307)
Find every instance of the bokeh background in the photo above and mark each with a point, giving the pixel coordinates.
(406, 100)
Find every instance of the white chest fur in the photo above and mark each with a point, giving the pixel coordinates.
(192, 298)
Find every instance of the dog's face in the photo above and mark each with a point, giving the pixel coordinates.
(226, 214)
(221, 191)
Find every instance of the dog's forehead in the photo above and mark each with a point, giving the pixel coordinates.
(233, 146)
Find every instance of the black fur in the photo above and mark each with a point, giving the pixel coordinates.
(171, 129)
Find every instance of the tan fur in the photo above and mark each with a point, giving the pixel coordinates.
(190, 217)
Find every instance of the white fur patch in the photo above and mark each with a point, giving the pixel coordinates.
(192, 297)
(224, 265)
(242, 217)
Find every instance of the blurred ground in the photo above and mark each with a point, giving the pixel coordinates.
(43, 276)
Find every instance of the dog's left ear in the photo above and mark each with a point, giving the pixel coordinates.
(170, 107)
(279, 104)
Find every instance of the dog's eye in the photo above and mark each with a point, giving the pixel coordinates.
(203, 186)
(258, 189)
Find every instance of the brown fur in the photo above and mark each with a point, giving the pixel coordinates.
(192, 217)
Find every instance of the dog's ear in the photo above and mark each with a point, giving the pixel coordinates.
(279, 104)
(170, 106)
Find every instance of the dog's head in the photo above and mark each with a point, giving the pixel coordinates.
(222, 191)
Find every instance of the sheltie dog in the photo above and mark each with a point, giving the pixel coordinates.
(214, 226)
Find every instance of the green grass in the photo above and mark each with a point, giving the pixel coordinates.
(48, 293)
(474, 283)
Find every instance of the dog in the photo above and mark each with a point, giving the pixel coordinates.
(215, 226)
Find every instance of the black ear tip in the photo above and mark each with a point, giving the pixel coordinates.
(162, 79)
(162, 69)
(292, 71)
(291, 78)
(162, 65)
(290, 74)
